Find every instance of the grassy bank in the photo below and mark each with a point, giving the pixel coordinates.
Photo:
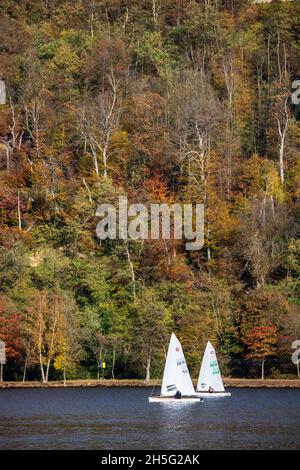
(229, 382)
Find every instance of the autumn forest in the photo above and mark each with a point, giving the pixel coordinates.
(162, 101)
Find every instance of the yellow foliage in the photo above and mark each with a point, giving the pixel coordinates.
(61, 359)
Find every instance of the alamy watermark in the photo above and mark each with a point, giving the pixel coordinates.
(296, 354)
(162, 221)
(2, 352)
(296, 94)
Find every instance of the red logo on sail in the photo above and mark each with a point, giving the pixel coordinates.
(177, 349)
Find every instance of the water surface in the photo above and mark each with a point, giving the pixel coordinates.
(122, 418)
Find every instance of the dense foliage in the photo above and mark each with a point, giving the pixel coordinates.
(162, 101)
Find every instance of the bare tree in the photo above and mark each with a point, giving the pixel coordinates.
(230, 79)
(155, 13)
(33, 112)
(282, 123)
(196, 114)
(261, 239)
(97, 120)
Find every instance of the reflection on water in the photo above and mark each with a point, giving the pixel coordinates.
(122, 418)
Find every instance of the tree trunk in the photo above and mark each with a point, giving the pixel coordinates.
(47, 371)
(148, 368)
(92, 24)
(19, 212)
(282, 129)
(99, 362)
(104, 159)
(42, 369)
(7, 158)
(263, 369)
(281, 160)
(95, 160)
(131, 268)
(24, 372)
(154, 14)
(50, 354)
(88, 191)
(113, 363)
(65, 376)
(208, 240)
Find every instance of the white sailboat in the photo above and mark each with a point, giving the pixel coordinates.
(210, 383)
(176, 377)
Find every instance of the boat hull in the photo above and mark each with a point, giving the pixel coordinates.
(213, 394)
(174, 400)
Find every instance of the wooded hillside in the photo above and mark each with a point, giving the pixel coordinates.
(163, 101)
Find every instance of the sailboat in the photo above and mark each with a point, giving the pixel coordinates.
(210, 382)
(176, 377)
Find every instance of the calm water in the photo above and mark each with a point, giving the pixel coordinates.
(122, 418)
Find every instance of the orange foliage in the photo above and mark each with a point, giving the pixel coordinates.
(261, 341)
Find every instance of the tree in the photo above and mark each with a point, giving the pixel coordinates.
(46, 326)
(263, 231)
(69, 349)
(282, 117)
(10, 331)
(115, 342)
(197, 117)
(98, 344)
(261, 342)
(97, 120)
(150, 328)
(196, 110)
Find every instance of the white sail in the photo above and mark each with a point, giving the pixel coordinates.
(210, 375)
(176, 374)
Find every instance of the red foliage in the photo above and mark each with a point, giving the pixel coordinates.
(157, 189)
(261, 341)
(10, 329)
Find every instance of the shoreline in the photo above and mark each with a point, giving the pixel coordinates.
(228, 382)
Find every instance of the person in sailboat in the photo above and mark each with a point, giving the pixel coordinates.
(210, 390)
(177, 394)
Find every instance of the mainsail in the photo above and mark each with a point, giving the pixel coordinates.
(176, 374)
(210, 375)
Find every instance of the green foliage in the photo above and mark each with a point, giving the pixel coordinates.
(13, 264)
(152, 53)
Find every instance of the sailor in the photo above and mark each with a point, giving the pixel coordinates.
(210, 390)
(177, 394)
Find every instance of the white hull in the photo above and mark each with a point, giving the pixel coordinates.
(174, 400)
(213, 394)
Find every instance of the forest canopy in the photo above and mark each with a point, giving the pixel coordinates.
(162, 101)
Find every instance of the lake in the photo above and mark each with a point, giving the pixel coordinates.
(122, 418)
